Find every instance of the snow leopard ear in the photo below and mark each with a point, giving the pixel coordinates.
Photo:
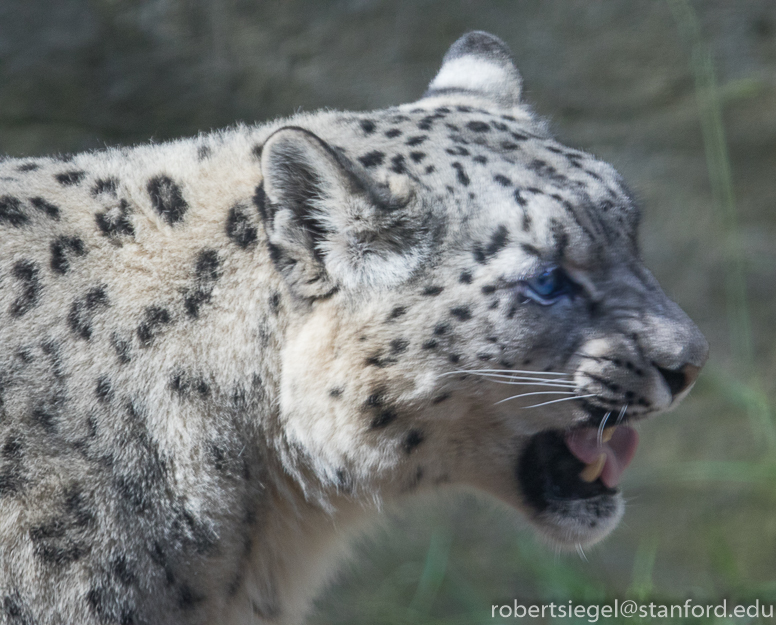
(478, 65)
(329, 224)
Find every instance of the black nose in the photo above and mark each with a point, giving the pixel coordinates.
(678, 380)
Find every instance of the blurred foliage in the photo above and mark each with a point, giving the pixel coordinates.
(679, 95)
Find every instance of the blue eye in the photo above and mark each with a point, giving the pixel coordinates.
(546, 287)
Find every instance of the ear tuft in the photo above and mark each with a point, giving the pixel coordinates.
(479, 65)
(481, 44)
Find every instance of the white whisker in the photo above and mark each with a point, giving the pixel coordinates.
(622, 414)
(535, 393)
(557, 401)
(536, 382)
(504, 372)
(601, 429)
(520, 377)
(516, 379)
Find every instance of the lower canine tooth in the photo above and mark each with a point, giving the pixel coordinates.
(608, 433)
(593, 471)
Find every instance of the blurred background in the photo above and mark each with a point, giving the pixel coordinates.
(680, 96)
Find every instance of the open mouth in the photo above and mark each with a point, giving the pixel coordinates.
(583, 465)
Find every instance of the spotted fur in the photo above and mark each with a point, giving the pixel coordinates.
(218, 355)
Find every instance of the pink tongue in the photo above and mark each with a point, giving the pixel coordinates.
(583, 443)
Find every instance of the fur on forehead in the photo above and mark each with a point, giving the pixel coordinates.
(353, 216)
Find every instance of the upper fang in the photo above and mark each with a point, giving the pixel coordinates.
(607, 434)
(593, 471)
